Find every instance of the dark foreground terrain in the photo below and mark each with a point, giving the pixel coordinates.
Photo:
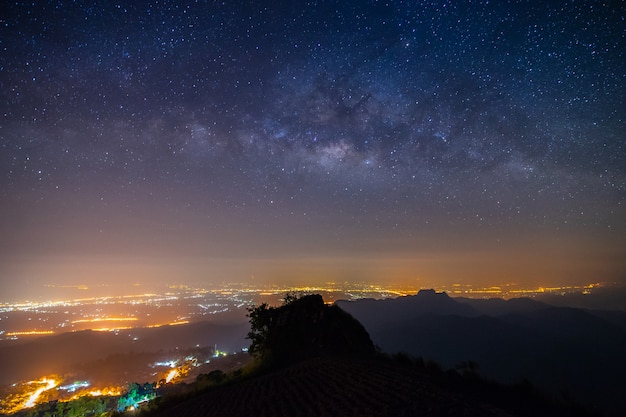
(311, 377)
(569, 352)
(345, 386)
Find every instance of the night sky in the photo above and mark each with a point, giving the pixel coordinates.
(417, 143)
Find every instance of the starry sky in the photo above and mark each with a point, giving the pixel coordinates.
(400, 142)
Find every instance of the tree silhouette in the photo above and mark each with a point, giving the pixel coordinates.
(304, 326)
(259, 327)
(260, 321)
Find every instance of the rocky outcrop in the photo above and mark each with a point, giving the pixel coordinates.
(306, 326)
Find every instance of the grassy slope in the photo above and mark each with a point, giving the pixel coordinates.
(353, 386)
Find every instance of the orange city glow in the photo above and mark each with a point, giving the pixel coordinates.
(171, 375)
(111, 329)
(106, 391)
(29, 394)
(31, 333)
(48, 385)
(97, 320)
(113, 391)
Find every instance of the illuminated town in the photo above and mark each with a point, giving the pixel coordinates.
(125, 316)
(185, 304)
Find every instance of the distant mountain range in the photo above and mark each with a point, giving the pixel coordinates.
(570, 352)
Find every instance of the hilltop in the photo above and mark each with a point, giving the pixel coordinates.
(318, 361)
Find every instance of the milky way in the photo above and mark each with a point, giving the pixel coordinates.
(401, 141)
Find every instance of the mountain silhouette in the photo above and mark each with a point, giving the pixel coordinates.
(570, 352)
(327, 366)
(307, 327)
(499, 306)
(374, 313)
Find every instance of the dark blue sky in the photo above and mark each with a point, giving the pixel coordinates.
(393, 142)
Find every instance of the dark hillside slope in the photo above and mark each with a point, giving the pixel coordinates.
(319, 361)
(570, 352)
(335, 386)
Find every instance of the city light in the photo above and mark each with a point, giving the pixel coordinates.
(101, 319)
(48, 384)
(27, 394)
(31, 333)
(74, 386)
(113, 391)
(189, 305)
(171, 375)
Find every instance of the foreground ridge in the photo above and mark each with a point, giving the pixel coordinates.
(350, 379)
